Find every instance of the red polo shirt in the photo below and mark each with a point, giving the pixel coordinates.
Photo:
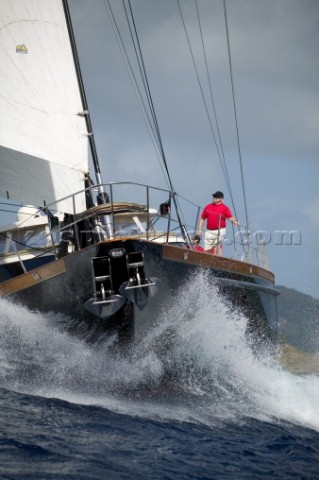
(216, 216)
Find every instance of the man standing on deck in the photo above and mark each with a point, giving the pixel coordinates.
(215, 213)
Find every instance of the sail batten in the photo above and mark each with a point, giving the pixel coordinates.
(40, 102)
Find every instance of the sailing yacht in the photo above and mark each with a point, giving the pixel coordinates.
(111, 255)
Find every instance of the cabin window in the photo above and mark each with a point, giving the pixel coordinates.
(130, 226)
(25, 239)
(123, 229)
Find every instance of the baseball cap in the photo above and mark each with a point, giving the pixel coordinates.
(218, 194)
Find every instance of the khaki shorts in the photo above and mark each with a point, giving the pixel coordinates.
(214, 238)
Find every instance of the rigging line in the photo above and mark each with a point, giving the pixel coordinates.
(201, 89)
(31, 215)
(214, 108)
(177, 206)
(144, 111)
(149, 96)
(139, 62)
(134, 83)
(12, 204)
(139, 57)
(235, 113)
(29, 247)
(88, 122)
(188, 201)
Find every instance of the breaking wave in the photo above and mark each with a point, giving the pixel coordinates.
(195, 365)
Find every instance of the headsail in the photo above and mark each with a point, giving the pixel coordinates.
(43, 140)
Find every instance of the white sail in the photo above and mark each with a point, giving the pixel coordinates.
(43, 140)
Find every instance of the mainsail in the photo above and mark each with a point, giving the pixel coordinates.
(43, 139)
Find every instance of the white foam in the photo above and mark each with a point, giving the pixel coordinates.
(217, 376)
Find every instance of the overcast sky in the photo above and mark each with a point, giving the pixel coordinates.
(274, 51)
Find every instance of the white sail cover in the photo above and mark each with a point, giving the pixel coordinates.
(43, 140)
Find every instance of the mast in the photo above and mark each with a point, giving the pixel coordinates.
(102, 194)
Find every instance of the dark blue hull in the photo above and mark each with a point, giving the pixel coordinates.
(66, 285)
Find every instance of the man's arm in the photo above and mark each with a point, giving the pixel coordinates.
(200, 226)
(234, 221)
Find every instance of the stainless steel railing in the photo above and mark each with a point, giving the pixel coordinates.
(160, 223)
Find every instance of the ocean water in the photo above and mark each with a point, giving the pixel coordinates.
(71, 409)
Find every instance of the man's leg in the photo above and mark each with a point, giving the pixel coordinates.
(219, 240)
(210, 241)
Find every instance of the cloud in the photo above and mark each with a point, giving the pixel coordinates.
(311, 211)
(275, 69)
